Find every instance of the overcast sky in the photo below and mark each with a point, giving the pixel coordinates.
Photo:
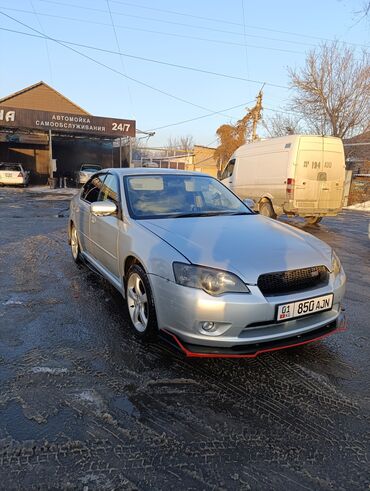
(253, 40)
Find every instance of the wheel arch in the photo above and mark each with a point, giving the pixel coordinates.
(266, 199)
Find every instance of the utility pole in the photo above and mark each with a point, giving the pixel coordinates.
(257, 115)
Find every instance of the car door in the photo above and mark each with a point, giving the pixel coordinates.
(104, 229)
(89, 194)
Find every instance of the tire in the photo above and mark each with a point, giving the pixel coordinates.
(313, 220)
(140, 303)
(266, 209)
(75, 245)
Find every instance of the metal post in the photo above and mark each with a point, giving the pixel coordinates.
(130, 152)
(50, 155)
(120, 152)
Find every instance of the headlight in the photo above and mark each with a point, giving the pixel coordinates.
(212, 281)
(335, 263)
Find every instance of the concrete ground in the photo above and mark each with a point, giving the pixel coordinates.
(85, 405)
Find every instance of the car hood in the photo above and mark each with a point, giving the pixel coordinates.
(247, 245)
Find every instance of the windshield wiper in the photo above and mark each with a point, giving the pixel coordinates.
(208, 214)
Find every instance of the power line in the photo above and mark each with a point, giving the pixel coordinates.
(151, 60)
(280, 110)
(201, 117)
(223, 21)
(245, 41)
(46, 42)
(193, 26)
(177, 35)
(109, 67)
(120, 56)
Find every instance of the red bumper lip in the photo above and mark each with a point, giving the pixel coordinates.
(340, 325)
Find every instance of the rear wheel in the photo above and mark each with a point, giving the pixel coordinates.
(140, 303)
(313, 220)
(266, 209)
(75, 245)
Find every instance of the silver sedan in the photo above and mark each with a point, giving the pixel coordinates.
(195, 264)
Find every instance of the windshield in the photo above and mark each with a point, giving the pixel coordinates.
(179, 196)
(90, 168)
(10, 167)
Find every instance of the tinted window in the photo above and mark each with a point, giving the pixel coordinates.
(110, 189)
(229, 169)
(92, 188)
(166, 196)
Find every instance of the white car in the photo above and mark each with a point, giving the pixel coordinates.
(86, 171)
(13, 174)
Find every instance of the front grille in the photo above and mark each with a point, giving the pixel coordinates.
(294, 280)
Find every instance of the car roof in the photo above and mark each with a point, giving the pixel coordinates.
(127, 171)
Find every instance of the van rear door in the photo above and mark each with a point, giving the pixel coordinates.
(319, 175)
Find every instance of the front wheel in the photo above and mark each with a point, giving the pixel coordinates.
(75, 245)
(312, 220)
(140, 303)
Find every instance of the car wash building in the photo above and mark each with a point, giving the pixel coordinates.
(52, 136)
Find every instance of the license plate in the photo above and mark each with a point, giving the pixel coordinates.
(8, 174)
(292, 310)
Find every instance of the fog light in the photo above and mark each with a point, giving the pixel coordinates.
(208, 325)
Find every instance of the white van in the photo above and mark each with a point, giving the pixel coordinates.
(298, 175)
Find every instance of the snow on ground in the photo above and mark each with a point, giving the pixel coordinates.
(365, 206)
(48, 190)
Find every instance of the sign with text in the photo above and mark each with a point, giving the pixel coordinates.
(66, 122)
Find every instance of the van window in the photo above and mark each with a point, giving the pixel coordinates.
(229, 169)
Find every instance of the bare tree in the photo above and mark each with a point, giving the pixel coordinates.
(332, 91)
(282, 124)
(364, 11)
(184, 143)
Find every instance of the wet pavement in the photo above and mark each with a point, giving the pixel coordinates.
(85, 405)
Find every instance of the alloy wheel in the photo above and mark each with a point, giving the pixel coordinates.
(137, 302)
(74, 243)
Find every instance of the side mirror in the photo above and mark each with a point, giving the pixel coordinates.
(250, 203)
(103, 208)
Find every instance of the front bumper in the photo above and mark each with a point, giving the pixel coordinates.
(240, 319)
(253, 350)
(290, 208)
(13, 181)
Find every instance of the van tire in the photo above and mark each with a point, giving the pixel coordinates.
(313, 220)
(266, 209)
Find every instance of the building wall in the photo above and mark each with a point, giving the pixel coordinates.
(360, 185)
(203, 160)
(360, 189)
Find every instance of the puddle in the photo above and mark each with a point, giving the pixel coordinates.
(20, 428)
(124, 404)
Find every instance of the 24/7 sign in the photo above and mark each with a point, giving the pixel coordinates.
(66, 122)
